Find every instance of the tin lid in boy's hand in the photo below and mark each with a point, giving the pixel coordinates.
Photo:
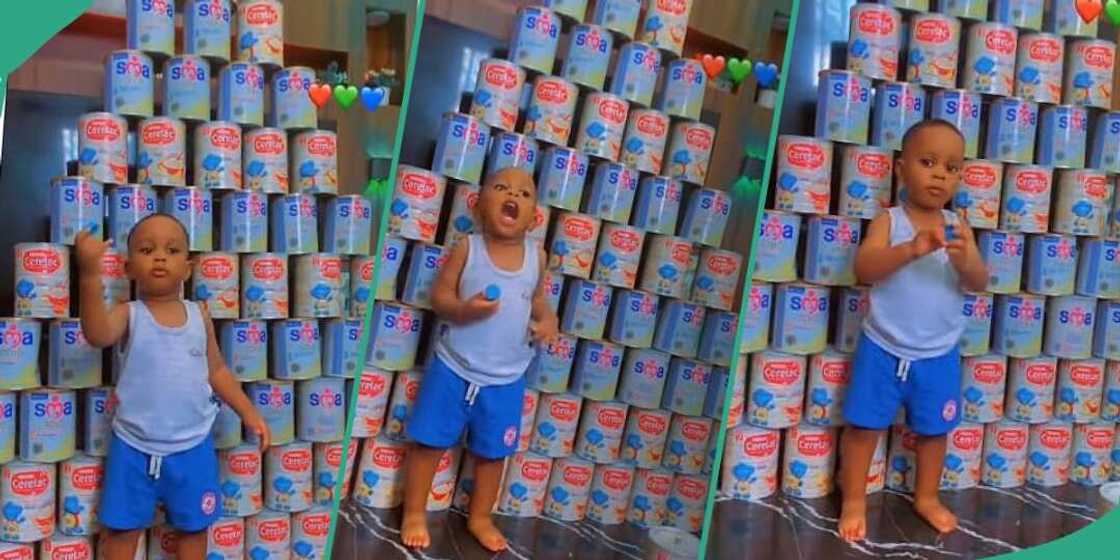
(493, 292)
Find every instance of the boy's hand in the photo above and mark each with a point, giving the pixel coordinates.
(256, 424)
(958, 246)
(545, 330)
(477, 308)
(90, 251)
(927, 241)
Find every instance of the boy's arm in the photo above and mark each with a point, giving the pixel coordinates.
(229, 389)
(966, 258)
(445, 292)
(876, 259)
(545, 325)
(102, 327)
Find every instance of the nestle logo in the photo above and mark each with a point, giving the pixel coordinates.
(419, 186)
(968, 439)
(835, 373)
(675, 7)
(270, 144)
(1096, 186)
(1098, 438)
(873, 165)
(761, 445)
(1000, 41)
(1097, 56)
(86, 478)
(228, 535)
(700, 138)
(31, 483)
(1011, 438)
(1045, 50)
(625, 240)
(814, 445)
(216, 267)
(103, 129)
(329, 267)
(564, 410)
(616, 479)
(1085, 375)
(652, 124)
(611, 418)
(932, 31)
(1054, 438)
(979, 176)
(876, 22)
(270, 269)
(722, 265)
(576, 475)
(244, 463)
(159, 133)
(579, 229)
(506, 78)
(651, 424)
(1033, 182)
(261, 14)
(805, 156)
(552, 91)
(112, 265)
(612, 111)
(298, 460)
(988, 373)
(658, 484)
(321, 145)
(781, 373)
(316, 525)
(533, 470)
(695, 431)
(42, 261)
(226, 138)
(1040, 374)
(273, 530)
(388, 457)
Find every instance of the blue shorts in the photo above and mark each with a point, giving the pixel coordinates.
(444, 408)
(187, 486)
(929, 389)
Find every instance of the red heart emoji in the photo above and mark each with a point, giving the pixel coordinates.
(713, 65)
(1089, 10)
(319, 94)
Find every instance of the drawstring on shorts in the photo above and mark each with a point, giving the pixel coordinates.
(155, 464)
(472, 393)
(903, 371)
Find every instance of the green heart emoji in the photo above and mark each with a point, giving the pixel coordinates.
(740, 69)
(345, 95)
(1112, 10)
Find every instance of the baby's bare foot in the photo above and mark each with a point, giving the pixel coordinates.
(483, 529)
(936, 514)
(414, 530)
(853, 520)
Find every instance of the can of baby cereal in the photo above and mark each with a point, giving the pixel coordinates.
(529, 404)
(264, 286)
(194, 208)
(215, 284)
(244, 346)
(362, 285)
(373, 400)
(1106, 332)
(79, 480)
(48, 420)
(320, 409)
(898, 106)
(1069, 327)
(596, 369)
(497, 95)
(686, 504)
(206, 29)
(27, 491)
(588, 55)
(287, 477)
(217, 155)
(554, 431)
(265, 159)
(60, 546)
(268, 534)
(239, 478)
(644, 143)
(612, 192)
(1079, 390)
(394, 336)
(665, 24)
(829, 373)
(1048, 453)
(1098, 272)
(804, 175)
(1030, 389)
(1092, 452)
(978, 194)
(275, 399)
(563, 173)
(552, 365)
(687, 387)
(644, 374)
(103, 148)
(874, 41)
(161, 152)
(716, 278)
(658, 205)
(260, 32)
(1083, 202)
(292, 108)
(98, 405)
(42, 281)
(649, 498)
(151, 28)
(1017, 325)
(800, 318)
(391, 256)
(777, 388)
(1110, 407)
(1106, 143)
(682, 94)
(573, 244)
(989, 64)
(461, 221)
(599, 438)
(1088, 73)
(535, 37)
(679, 327)
(461, 147)
(116, 285)
(807, 467)
(750, 463)
(20, 340)
(689, 151)
(526, 481)
(635, 73)
(645, 436)
(932, 58)
(129, 83)
(1051, 264)
(314, 162)
(1003, 253)
(1026, 199)
(668, 260)
(1038, 68)
(317, 285)
(705, 217)
(1012, 130)
(310, 529)
(328, 465)
(241, 94)
(961, 108)
(77, 205)
(417, 203)
(983, 379)
(243, 225)
(687, 445)
(619, 255)
(568, 487)
(1062, 136)
(831, 250)
(379, 482)
(633, 318)
(865, 180)
(186, 88)
(74, 363)
(961, 468)
(902, 459)
(602, 123)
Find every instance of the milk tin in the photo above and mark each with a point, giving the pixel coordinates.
(1098, 272)
(151, 28)
(317, 285)
(1051, 264)
(379, 482)
(27, 491)
(510, 149)
(552, 365)
(314, 162)
(268, 535)
(932, 54)
(851, 309)
(361, 282)
(79, 481)
(217, 155)
(610, 491)
(1092, 453)
(601, 125)
(116, 285)
(620, 16)
(635, 72)
(423, 268)
(240, 480)
(461, 147)
(497, 95)
(649, 498)
(59, 546)
(194, 208)
(215, 284)
(600, 431)
(978, 194)
(686, 447)
(206, 29)
(612, 192)
(1103, 154)
(309, 532)
(394, 336)
(98, 404)
(534, 39)
(1025, 14)
(644, 438)
(1106, 333)
(633, 318)
(682, 94)
(989, 64)
(1083, 201)
(829, 373)
(588, 55)
(668, 262)
(321, 414)
(777, 386)
(555, 430)
(391, 256)
(644, 373)
(1012, 130)
(568, 487)
(529, 403)
(227, 429)
(831, 250)
(42, 280)
(898, 106)
(865, 181)
(596, 370)
(287, 477)
(526, 480)
(800, 318)
(563, 173)
(1110, 407)
(804, 175)
(1038, 68)
(103, 148)
(186, 88)
(1069, 327)
(644, 143)
(687, 387)
(573, 244)
(572, 9)
(1026, 199)
(807, 466)
(1017, 325)
(417, 203)
(1088, 74)
(275, 400)
(1048, 454)
(243, 224)
(961, 468)
(705, 217)
(241, 94)
(1062, 136)
(1003, 253)
(264, 286)
(328, 463)
(20, 340)
(585, 314)
(750, 463)
(1079, 390)
(658, 205)
(294, 224)
(686, 505)
(265, 157)
(129, 83)
(77, 204)
(983, 379)
(373, 399)
(48, 420)
(776, 257)
(976, 338)
(874, 41)
(260, 33)
(1063, 19)
(161, 152)
(73, 362)
(244, 346)
(961, 108)
(292, 108)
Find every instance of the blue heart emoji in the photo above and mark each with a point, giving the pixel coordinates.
(765, 73)
(371, 98)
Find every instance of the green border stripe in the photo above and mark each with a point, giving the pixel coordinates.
(383, 223)
(713, 478)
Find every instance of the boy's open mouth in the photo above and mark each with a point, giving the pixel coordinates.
(510, 211)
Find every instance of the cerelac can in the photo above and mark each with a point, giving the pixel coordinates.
(1049, 450)
(644, 143)
(42, 282)
(497, 95)
(265, 160)
(1026, 199)
(314, 162)
(217, 155)
(874, 41)
(1038, 68)
(804, 175)
(932, 58)
(268, 534)
(962, 457)
(865, 181)
(27, 491)
(807, 466)
(602, 123)
(103, 148)
(264, 286)
(260, 32)
(1079, 390)
(1092, 453)
(750, 463)
(1082, 202)
(690, 149)
(161, 152)
(526, 480)
(1089, 68)
(573, 244)
(777, 385)
(989, 64)
(417, 202)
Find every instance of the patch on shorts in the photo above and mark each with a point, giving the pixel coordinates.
(209, 503)
(510, 436)
(949, 411)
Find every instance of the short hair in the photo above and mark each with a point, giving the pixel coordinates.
(136, 226)
(489, 180)
(930, 123)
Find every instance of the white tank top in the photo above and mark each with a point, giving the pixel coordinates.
(916, 313)
(165, 402)
(498, 349)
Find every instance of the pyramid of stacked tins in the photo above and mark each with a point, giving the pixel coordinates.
(620, 409)
(1041, 376)
(252, 199)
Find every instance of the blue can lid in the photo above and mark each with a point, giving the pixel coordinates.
(493, 292)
